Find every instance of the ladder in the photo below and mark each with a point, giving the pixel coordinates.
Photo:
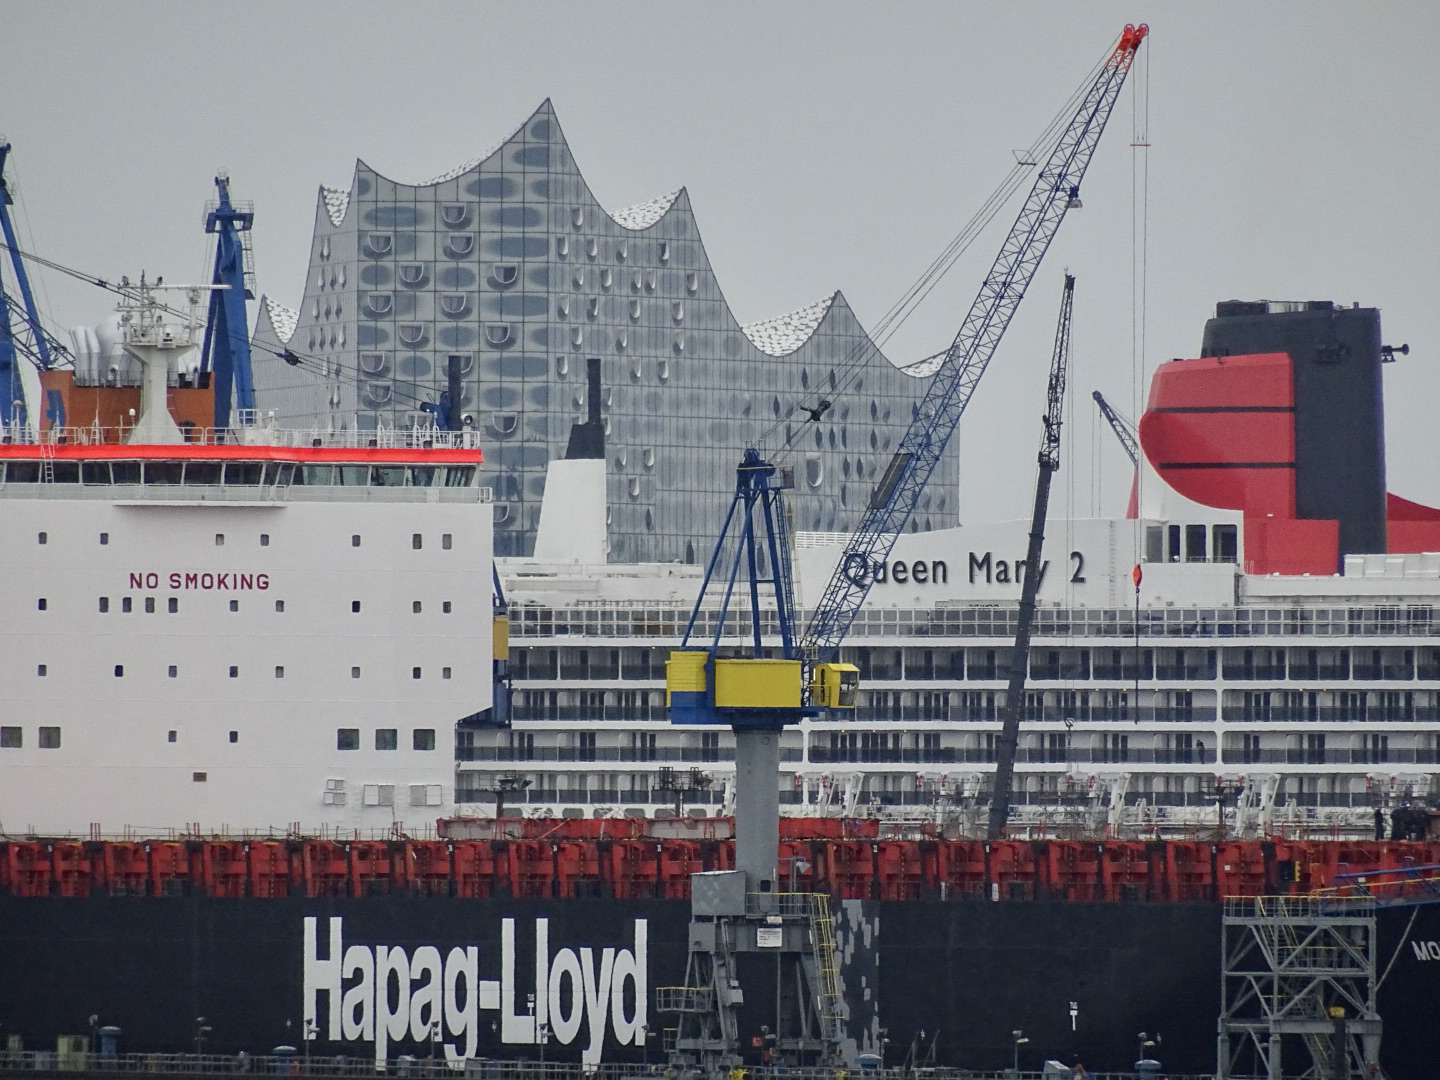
(822, 940)
(47, 462)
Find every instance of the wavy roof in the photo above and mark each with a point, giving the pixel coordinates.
(282, 318)
(337, 201)
(785, 333)
(643, 215)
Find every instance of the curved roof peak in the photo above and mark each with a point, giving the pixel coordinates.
(923, 369)
(283, 319)
(785, 333)
(643, 215)
(337, 202)
(461, 170)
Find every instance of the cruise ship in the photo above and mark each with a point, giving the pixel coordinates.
(1253, 645)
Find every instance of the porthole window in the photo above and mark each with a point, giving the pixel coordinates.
(445, 673)
(149, 605)
(445, 607)
(127, 605)
(446, 541)
(355, 540)
(219, 539)
(170, 735)
(42, 603)
(104, 539)
(43, 538)
(172, 671)
(264, 539)
(354, 672)
(355, 607)
(104, 604)
(234, 605)
(279, 605)
(279, 671)
(234, 671)
(173, 604)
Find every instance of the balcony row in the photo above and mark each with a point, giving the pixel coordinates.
(974, 664)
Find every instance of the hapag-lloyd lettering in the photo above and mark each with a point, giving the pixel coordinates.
(205, 581)
(383, 994)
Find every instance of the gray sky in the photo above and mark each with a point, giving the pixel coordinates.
(1295, 155)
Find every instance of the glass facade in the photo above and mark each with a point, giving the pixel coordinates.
(510, 265)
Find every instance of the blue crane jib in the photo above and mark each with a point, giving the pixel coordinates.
(1056, 190)
(226, 351)
(29, 338)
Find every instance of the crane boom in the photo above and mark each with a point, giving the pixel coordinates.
(1056, 190)
(1118, 425)
(1030, 585)
(12, 345)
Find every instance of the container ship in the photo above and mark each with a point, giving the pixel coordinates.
(293, 752)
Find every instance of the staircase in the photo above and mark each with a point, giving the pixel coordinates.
(830, 1001)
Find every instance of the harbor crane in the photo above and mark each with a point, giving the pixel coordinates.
(25, 337)
(758, 694)
(1049, 462)
(226, 352)
(1122, 428)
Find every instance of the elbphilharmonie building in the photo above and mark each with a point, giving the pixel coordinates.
(509, 265)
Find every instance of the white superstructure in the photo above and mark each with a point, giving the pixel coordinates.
(239, 638)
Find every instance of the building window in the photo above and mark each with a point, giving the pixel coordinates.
(198, 778)
(12, 738)
(445, 541)
(234, 736)
(234, 605)
(234, 671)
(42, 603)
(49, 738)
(355, 540)
(219, 539)
(174, 604)
(104, 604)
(41, 670)
(445, 673)
(445, 607)
(416, 542)
(423, 738)
(44, 538)
(387, 738)
(104, 539)
(149, 605)
(355, 607)
(280, 605)
(173, 671)
(354, 672)
(415, 673)
(264, 539)
(1225, 543)
(378, 795)
(119, 671)
(279, 671)
(170, 735)
(415, 607)
(347, 738)
(126, 605)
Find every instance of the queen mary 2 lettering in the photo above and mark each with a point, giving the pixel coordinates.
(388, 995)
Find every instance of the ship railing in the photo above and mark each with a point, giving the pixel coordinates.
(417, 438)
(1298, 908)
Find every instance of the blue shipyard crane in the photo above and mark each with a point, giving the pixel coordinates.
(1056, 190)
(1118, 424)
(27, 338)
(226, 353)
(1030, 584)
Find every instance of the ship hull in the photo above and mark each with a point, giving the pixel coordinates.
(965, 973)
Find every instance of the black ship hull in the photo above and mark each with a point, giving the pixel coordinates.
(954, 978)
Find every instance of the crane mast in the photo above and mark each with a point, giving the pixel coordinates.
(1056, 190)
(1122, 430)
(1030, 584)
(30, 340)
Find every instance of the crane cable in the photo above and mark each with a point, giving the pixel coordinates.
(315, 365)
(901, 310)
